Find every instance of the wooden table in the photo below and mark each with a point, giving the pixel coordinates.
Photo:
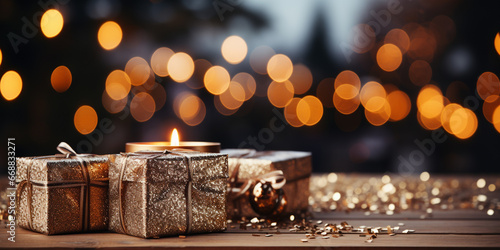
(443, 229)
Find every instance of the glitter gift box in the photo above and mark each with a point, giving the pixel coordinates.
(66, 193)
(155, 194)
(247, 164)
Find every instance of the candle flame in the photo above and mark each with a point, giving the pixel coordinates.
(174, 139)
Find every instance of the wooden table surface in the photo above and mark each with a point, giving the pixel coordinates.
(442, 229)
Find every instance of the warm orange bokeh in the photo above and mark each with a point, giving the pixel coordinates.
(216, 80)
(291, 113)
(142, 107)
(389, 57)
(118, 84)
(51, 23)
(180, 67)
(488, 84)
(85, 119)
(280, 93)
(109, 35)
(234, 49)
(159, 61)
(399, 38)
(309, 110)
(400, 105)
(279, 68)
(61, 79)
(11, 85)
(138, 70)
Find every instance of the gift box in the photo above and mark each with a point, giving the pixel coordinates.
(155, 194)
(64, 193)
(248, 167)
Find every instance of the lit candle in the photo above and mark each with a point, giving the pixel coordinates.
(210, 147)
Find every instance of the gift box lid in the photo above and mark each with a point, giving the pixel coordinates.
(171, 167)
(60, 169)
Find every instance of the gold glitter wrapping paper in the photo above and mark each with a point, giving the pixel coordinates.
(154, 194)
(57, 209)
(296, 166)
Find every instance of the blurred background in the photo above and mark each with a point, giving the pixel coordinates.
(378, 86)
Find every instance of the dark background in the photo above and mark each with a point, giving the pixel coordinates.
(40, 117)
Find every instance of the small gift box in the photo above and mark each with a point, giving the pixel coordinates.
(257, 182)
(155, 194)
(64, 193)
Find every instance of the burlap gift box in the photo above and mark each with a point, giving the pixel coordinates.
(62, 193)
(296, 167)
(155, 194)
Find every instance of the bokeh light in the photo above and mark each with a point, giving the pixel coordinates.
(51, 23)
(190, 108)
(259, 58)
(113, 106)
(463, 123)
(11, 85)
(118, 84)
(309, 110)
(247, 82)
(399, 38)
(488, 84)
(1, 57)
(234, 96)
(180, 67)
(216, 80)
(159, 61)
(291, 113)
(280, 93)
(373, 96)
(496, 119)
(234, 49)
(280, 68)
(380, 116)
(420, 72)
(109, 35)
(497, 43)
(61, 79)
(142, 107)
(389, 57)
(429, 123)
(489, 106)
(301, 79)
(85, 119)
(348, 77)
(430, 101)
(220, 107)
(446, 114)
(138, 70)
(400, 105)
(346, 99)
